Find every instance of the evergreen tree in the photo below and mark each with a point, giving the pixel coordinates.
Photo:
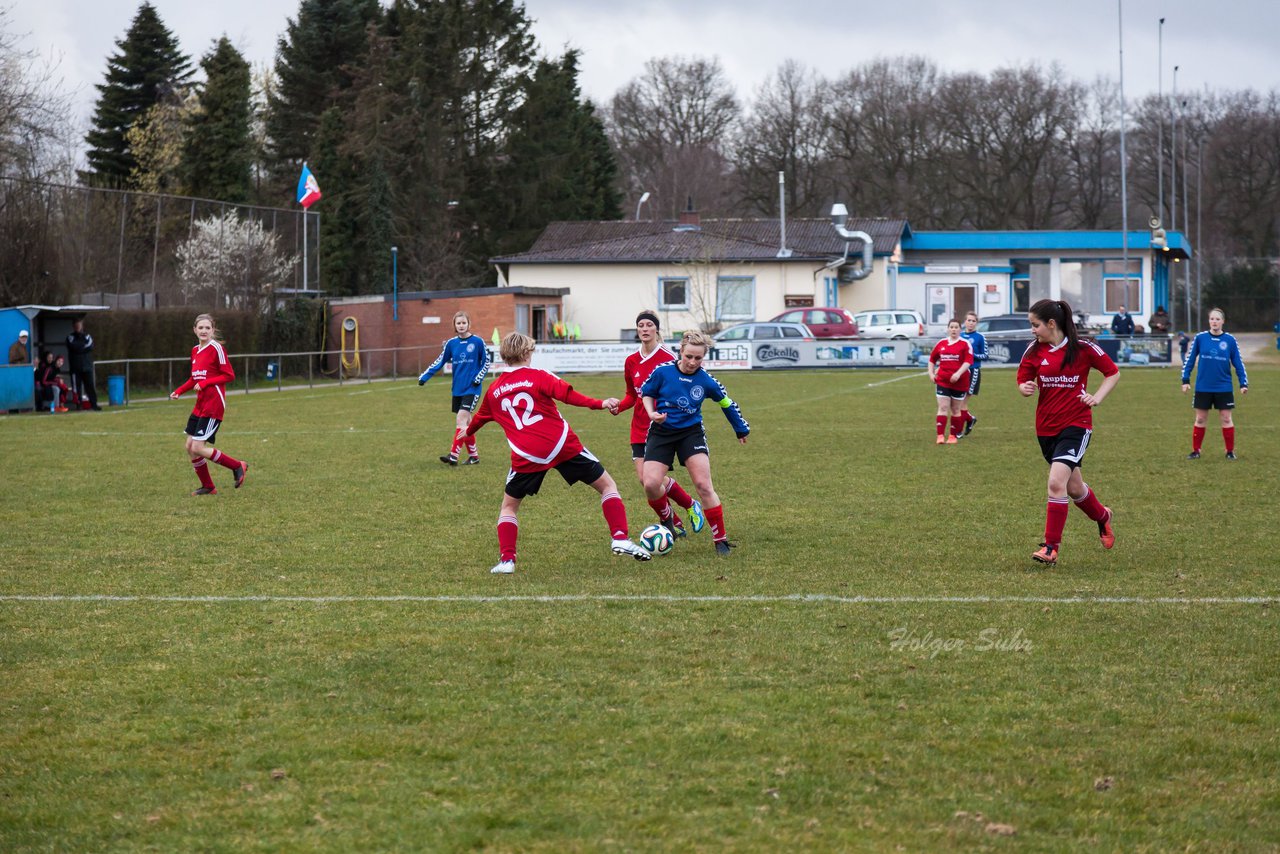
(217, 150)
(313, 67)
(148, 67)
(558, 163)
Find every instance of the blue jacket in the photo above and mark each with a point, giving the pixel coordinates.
(470, 360)
(1216, 356)
(1122, 324)
(680, 396)
(978, 344)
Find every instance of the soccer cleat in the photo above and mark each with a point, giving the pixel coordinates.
(674, 526)
(469, 461)
(942, 440)
(696, 518)
(240, 473)
(952, 440)
(1194, 455)
(503, 567)
(968, 427)
(448, 460)
(205, 490)
(61, 409)
(1105, 533)
(1231, 455)
(723, 547)
(626, 547)
(1046, 554)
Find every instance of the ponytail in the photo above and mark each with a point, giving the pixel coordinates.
(1059, 311)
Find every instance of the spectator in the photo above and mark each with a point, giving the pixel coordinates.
(1183, 341)
(18, 352)
(1122, 323)
(49, 385)
(1160, 321)
(80, 349)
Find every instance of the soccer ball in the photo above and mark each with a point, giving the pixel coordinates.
(656, 540)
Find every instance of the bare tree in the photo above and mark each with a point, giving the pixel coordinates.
(671, 131)
(35, 116)
(784, 133)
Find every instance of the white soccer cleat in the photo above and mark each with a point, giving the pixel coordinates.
(504, 567)
(626, 547)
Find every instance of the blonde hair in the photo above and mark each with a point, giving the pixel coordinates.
(696, 338)
(969, 314)
(217, 336)
(458, 314)
(516, 348)
(1219, 311)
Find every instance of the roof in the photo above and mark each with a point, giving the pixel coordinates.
(940, 241)
(667, 241)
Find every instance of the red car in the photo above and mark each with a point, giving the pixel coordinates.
(825, 322)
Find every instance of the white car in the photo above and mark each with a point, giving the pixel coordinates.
(890, 323)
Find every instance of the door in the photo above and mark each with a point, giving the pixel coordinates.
(939, 309)
(964, 299)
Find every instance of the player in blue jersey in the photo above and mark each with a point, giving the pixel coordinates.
(1217, 352)
(469, 361)
(673, 396)
(978, 344)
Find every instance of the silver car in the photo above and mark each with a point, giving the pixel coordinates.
(890, 323)
(765, 330)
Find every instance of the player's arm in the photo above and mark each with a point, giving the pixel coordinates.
(183, 389)
(483, 368)
(1238, 364)
(225, 374)
(731, 410)
(1190, 363)
(651, 407)
(964, 365)
(980, 352)
(482, 417)
(1027, 375)
(436, 365)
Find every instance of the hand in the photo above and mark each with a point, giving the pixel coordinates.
(1186, 386)
(611, 404)
(955, 378)
(658, 417)
(173, 395)
(1244, 389)
(1028, 388)
(742, 440)
(1088, 399)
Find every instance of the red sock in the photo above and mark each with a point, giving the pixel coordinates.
(1055, 519)
(1229, 438)
(615, 515)
(942, 424)
(968, 417)
(508, 531)
(715, 518)
(225, 460)
(202, 472)
(1197, 438)
(471, 446)
(957, 425)
(1091, 506)
(661, 506)
(457, 442)
(677, 494)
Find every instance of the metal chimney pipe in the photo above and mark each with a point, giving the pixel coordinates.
(783, 251)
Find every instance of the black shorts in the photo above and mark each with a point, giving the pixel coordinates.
(665, 445)
(952, 393)
(975, 382)
(1214, 400)
(466, 401)
(583, 468)
(203, 429)
(1067, 447)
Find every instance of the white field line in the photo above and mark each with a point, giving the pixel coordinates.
(798, 598)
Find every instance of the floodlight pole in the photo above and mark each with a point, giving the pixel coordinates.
(1160, 122)
(395, 289)
(1124, 180)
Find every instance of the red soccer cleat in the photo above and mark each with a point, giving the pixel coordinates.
(1105, 533)
(1046, 554)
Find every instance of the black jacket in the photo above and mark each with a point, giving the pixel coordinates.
(80, 351)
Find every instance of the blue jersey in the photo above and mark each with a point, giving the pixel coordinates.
(978, 344)
(680, 396)
(1216, 354)
(470, 361)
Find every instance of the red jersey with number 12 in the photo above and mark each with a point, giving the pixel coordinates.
(523, 403)
(1059, 405)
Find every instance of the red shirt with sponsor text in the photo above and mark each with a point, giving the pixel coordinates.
(949, 356)
(523, 403)
(1059, 405)
(211, 368)
(636, 370)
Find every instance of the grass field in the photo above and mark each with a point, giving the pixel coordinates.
(321, 660)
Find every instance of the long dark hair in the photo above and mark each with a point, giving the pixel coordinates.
(1059, 311)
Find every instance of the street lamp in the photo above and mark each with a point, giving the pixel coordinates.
(395, 288)
(643, 199)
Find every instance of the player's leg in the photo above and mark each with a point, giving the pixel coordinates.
(1228, 432)
(508, 533)
(459, 427)
(199, 455)
(463, 422)
(1055, 516)
(1197, 432)
(957, 422)
(940, 421)
(699, 468)
(615, 517)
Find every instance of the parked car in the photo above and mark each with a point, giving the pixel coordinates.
(825, 322)
(765, 331)
(890, 323)
(1005, 326)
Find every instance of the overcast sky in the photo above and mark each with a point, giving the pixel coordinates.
(1222, 45)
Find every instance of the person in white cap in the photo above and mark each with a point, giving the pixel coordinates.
(18, 352)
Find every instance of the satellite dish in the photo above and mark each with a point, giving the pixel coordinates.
(349, 324)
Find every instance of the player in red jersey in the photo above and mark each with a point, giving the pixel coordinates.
(523, 402)
(949, 366)
(637, 368)
(1057, 365)
(210, 372)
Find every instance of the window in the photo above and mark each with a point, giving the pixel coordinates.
(791, 332)
(735, 298)
(673, 294)
(1030, 282)
(1122, 287)
(766, 332)
(792, 317)
(737, 333)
